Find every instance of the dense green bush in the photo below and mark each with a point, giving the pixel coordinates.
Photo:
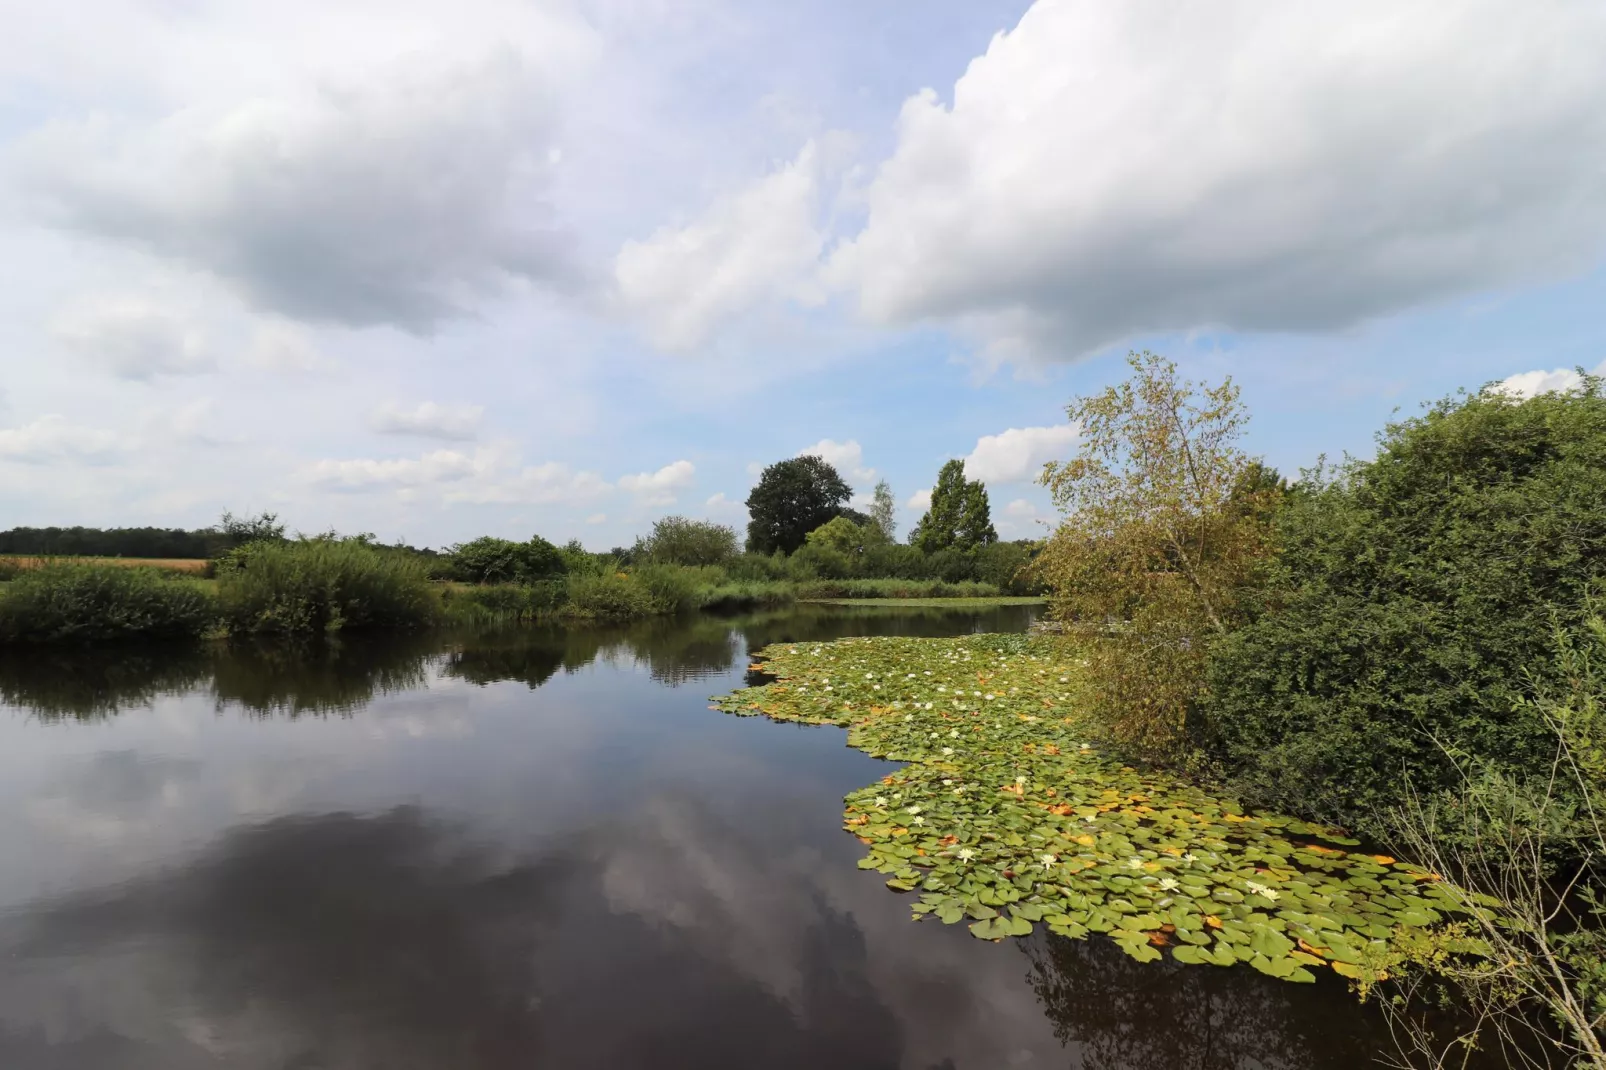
(1412, 600)
(894, 589)
(676, 540)
(98, 602)
(325, 585)
(493, 560)
(608, 596)
(509, 603)
(9, 570)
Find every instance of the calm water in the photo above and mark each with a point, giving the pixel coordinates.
(538, 850)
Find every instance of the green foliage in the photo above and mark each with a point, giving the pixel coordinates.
(675, 540)
(490, 605)
(608, 596)
(321, 585)
(239, 530)
(1159, 542)
(1008, 566)
(884, 512)
(886, 588)
(959, 517)
(1006, 818)
(1411, 601)
(493, 560)
(9, 570)
(100, 602)
(842, 536)
(792, 498)
(578, 561)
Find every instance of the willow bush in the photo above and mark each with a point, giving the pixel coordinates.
(325, 585)
(1164, 527)
(82, 602)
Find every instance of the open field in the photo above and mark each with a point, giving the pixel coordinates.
(167, 564)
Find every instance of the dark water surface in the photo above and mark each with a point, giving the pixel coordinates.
(534, 850)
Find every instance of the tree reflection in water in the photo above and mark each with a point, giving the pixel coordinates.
(1115, 1013)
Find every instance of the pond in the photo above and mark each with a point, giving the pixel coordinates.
(539, 848)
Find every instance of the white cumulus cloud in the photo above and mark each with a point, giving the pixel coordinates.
(660, 487)
(1105, 170)
(428, 420)
(920, 499)
(758, 244)
(1018, 454)
(846, 457)
(1532, 384)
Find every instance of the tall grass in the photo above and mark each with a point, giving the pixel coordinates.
(895, 589)
(504, 604)
(101, 602)
(609, 596)
(325, 585)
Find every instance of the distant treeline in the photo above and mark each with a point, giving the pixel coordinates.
(114, 542)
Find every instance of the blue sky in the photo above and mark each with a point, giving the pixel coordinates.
(565, 266)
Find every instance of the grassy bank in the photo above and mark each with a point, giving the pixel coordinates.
(327, 585)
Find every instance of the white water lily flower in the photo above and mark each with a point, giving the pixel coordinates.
(875, 687)
(881, 800)
(928, 672)
(953, 733)
(1167, 884)
(1261, 889)
(908, 717)
(1049, 860)
(928, 705)
(959, 791)
(947, 783)
(947, 751)
(1020, 780)
(1134, 863)
(989, 696)
(1190, 857)
(1090, 818)
(941, 688)
(976, 693)
(918, 821)
(869, 676)
(911, 809)
(897, 795)
(966, 854)
(911, 676)
(1065, 679)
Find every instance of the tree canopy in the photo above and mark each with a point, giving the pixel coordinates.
(792, 498)
(680, 541)
(959, 517)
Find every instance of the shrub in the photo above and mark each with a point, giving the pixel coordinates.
(676, 540)
(1412, 597)
(324, 585)
(673, 588)
(505, 603)
(745, 567)
(492, 560)
(98, 602)
(1007, 566)
(609, 596)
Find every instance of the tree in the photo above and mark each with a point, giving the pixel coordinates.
(492, 560)
(1164, 525)
(680, 541)
(959, 517)
(239, 530)
(792, 498)
(883, 512)
(843, 536)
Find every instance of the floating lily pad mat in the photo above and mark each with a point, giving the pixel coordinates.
(1009, 815)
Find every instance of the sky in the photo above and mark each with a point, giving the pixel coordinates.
(564, 267)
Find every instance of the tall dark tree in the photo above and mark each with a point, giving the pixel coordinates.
(959, 517)
(793, 497)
